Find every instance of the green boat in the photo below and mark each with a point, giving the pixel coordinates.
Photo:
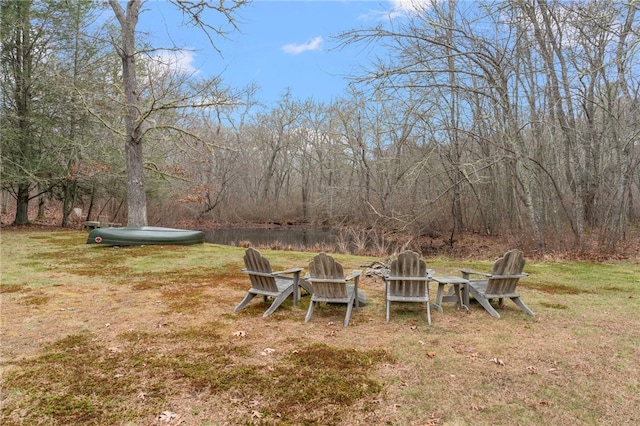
(144, 235)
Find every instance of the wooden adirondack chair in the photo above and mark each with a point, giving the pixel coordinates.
(408, 281)
(328, 284)
(499, 284)
(267, 283)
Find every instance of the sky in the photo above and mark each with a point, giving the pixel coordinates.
(280, 45)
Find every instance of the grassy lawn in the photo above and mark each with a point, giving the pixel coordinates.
(147, 335)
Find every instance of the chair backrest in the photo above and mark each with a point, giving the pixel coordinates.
(511, 263)
(104, 221)
(327, 277)
(259, 270)
(408, 264)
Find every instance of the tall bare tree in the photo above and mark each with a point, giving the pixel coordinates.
(135, 119)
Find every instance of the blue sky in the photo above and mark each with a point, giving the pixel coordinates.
(281, 44)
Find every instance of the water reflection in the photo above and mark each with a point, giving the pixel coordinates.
(294, 236)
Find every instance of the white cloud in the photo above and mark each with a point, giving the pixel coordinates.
(296, 49)
(408, 5)
(398, 9)
(178, 60)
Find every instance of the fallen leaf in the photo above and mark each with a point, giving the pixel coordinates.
(433, 420)
(267, 351)
(497, 361)
(167, 416)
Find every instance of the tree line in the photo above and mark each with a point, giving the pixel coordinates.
(492, 117)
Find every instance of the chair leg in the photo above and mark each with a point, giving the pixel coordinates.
(388, 306)
(244, 302)
(306, 285)
(277, 302)
(310, 311)
(484, 302)
(522, 306)
(487, 305)
(429, 304)
(296, 289)
(438, 304)
(346, 318)
(465, 294)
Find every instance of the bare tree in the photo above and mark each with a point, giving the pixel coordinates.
(527, 108)
(135, 117)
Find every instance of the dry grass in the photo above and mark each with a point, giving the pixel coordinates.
(146, 335)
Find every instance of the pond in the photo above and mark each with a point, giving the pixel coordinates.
(297, 237)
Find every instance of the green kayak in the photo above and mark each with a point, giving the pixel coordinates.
(144, 235)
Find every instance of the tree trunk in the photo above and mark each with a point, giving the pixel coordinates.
(136, 197)
(70, 189)
(41, 208)
(5, 202)
(42, 215)
(21, 49)
(22, 205)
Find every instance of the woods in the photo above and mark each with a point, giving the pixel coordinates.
(491, 117)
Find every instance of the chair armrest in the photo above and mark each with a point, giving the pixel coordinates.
(261, 274)
(288, 271)
(467, 272)
(506, 277)
(353, 274)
